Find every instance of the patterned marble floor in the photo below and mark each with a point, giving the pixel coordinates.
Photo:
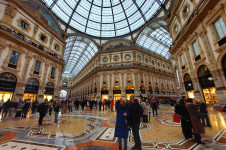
(94, 130)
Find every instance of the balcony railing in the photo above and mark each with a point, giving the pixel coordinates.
(22, 37)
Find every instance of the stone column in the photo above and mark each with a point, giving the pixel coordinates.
(110, 91)
(136, 87)
(197, 88)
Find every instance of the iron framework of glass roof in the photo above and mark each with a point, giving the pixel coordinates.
(156, 39)
(79, 50)
(105, 18)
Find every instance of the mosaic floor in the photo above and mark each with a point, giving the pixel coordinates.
(94, 130)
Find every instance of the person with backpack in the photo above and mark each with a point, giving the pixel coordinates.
(42, 109)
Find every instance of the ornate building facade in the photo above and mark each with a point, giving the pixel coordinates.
(31, 52)
(122, 69)
(198, 30)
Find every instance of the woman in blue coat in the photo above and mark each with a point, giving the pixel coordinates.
(121, 126)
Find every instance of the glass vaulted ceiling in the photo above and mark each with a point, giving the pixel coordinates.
(105, 18)
(156, 39)
(79, 50)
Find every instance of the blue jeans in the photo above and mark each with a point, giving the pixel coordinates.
(56, 117)
(136, 134)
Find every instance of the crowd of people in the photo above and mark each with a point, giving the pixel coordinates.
(193, 117)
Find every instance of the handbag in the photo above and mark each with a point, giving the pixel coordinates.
(176, 118)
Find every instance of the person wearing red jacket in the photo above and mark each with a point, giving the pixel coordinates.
(112, 104)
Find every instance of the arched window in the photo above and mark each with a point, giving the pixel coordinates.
(7, 82)
(32, 86)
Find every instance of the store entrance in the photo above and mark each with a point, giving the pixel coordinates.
(31, 90)
(207, 84)
(188, 86)
(7, 86)
(49, 91)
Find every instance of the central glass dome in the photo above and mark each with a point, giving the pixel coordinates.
(105, 18)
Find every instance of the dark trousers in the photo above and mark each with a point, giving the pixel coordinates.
(197, 138)
(99, 108)
(186, 128)
(136, 134)
(41, 116)
(154, 109)
(145, 118)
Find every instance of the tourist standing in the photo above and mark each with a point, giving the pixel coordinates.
(121, 126)
(183, 113)
(135, 112)
(42, 109)
(154, 106)
(56, 110)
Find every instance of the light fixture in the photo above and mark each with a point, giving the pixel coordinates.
(189, 84)
(210, 78)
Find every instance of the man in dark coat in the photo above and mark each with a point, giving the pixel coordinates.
(135, 111)
(42, 109)
(100, 104)
(186, 126)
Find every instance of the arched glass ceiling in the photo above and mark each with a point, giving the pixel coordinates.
(105, 18)
(79, 50)
(156, 39)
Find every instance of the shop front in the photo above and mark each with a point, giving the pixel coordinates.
(116, 93)
(7, 86)
(104, 94)
(49, 91)
(31, 90)
(129, 91)
(207, 85)
(142, 89)
(188, 86)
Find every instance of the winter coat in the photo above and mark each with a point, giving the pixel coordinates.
(146, 109)
(121, 126)
(196, 123)
(156, 103)
(135, 111)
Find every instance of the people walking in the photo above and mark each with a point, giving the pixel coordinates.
(135, 112)
(121, 126)
(42, 109)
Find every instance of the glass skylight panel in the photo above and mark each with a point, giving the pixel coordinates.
(48, 2)
(114, 12)
(65, 7)
(82, 51)
(158, 40)
(60, 13)
(107, 33)
(71, 3)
